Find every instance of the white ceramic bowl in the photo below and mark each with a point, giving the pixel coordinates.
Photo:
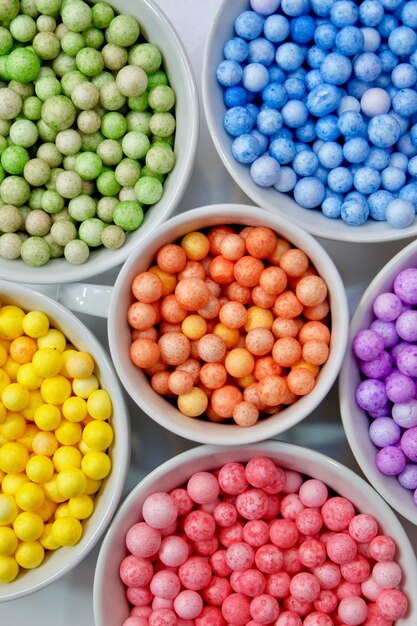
(355, 420)
(135, 380)
(58, 563)
(110, 604)
(156, 29)
(268, 198)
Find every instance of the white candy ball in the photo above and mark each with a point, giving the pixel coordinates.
(375, 101)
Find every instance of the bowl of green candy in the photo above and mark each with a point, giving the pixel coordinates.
(98, 132)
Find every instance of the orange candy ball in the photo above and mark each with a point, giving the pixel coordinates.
(171, 258)
(221, 270)
(174, 348)
(169, 281)
(294, 262)
(171, 311)
(180, 382)
(195, 245)
(261, 242)
(230, 336)
(142, 316)
(239, 363)
(238, 293)
(213, 375)
(272, 390)
(286, 351)
(194, 327)
(316, 313)
(283, 327)
(22, 349)
(193, 367)
(251, 394)
(287, 305)
(211, 309)
(273, 280)
(248, 270)
(225, 399)
(233, 247)
(300, 381)
(259, 341)
(144, 353)
(266, 366)
(211, 348)
(159, 383)
(245, 414)
(311, 290)
(281, 247)
(192, 293)
(262, 299)
(315, 352)
(314, 330)
(192, 269)
(147, 287)
(150, 333)
(233, 315)
(216, 236)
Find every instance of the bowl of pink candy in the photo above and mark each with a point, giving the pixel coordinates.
(378, 383)
(268, 534)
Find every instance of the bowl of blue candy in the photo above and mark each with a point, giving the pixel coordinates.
(312, 107)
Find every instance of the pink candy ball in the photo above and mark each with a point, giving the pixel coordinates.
(346, 590)
(182, 500)
(135, 571)
(210, 616)
(326, 602)
(159, 510)
(173, 551)
(269, 559)
(139, 596)
(337, 513)
(273, 508)
(142, 540)
(163, 617)
(217, 591)
(161, 603)
(353, 611)
(236, 609)
(141, 611)
(261, 472)
(341, 548)
(135, 621)
(288, 618)
(328, 575)
(363, 528)
(232, 534)
(225, 514)
(203, 487)
(199, 525)
(312, 553)
(240, 556)
(165, 585)
(293, 481)
(382, 548)
(206, 547)
(256, 533)
(278, 584)
(188, 604)
(305, 587)
(313, 493)
(218, 563)
(195, 573)
(387, 574)
(309, 521)
(357, 570)
(232, 478)
(251, 582)
(252, 504)
(318, 619)
(283, 533)
(291, 506)
(264, 609)
(370, 589)
(392, 604)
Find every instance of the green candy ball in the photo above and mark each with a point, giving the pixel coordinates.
(23, 65)
(128, 215)
(102, 14)
(58, 113)
(90, 232)
(148, 190)
(88, 165)
(14, 159)
(35, 251)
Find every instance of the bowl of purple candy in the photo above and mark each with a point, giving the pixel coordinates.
(312, 107)
(378, 391)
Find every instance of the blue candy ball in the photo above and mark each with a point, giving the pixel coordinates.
(392, 179)
(367, 67)
(295, 88)
(294, 8)
(282, 149)
(397, 159)
(356, 150)
(246, 148)
(325, 36)
(378, 159)
(236, 49)
(332, 207)
(322, 7)
(265, 171)
(371, 12)
(336, 68)
(307, 132)
(354, 212)
(289, 56)
(261, 139)
(313, 79)
(323, 99)
(249, 25)
(406, 146)
(388, 59)
(294, 113)
(366, 180)
(402, 41)
(276, 28)
(383, 131)
(387, 25)
(412, 166)
(409, 192)
(405, 102)
(377, 204)
(340, 179)
(351, 124)
(229, 73)
(343, 13)
(327, 128)
(269, 121)
(372, 39)
(261, 51)
(404, 76)
(409, 14)
(235, 96)
(330, 155)
(276, 75)
(309, 192)
(255, 77)
(400, 213)
(315, 57)
(349, 41)
(305, 163)
(237, 121)
(274, 95)
(302, 29)
(287, 180)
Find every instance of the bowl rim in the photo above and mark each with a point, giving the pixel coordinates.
(346, 394)
(265, 448)
(108, 259)
(119, 469)
(336, 230)
(209, 432)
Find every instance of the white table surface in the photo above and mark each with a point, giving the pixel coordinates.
(69, 601)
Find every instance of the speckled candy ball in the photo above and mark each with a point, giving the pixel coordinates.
(215, 565)
(320, 102)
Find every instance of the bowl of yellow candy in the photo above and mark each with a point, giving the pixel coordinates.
(64, 441)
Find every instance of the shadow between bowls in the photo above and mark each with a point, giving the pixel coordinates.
(137, 384)
(355, 420)
(110, 604)
(61, 561)
(282, 204)
(157, 29)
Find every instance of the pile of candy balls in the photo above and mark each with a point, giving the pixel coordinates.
(322, 104)
(86, 129)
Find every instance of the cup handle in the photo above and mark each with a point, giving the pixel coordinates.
(86, 298)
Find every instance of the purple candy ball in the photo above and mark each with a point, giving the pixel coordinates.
(409, 443)
(400, 388)
(382, 412)
(371, 395)
(408, 477)
(384, 432)
(390, 460)
(405, 414)
(377, 368)
(367, 345)
(406, 325)
(387, 331)
(405, 285)
(407, 361)
(387, 307)
(396, 351)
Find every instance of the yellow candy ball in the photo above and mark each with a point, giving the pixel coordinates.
(65, 356)
(68, 433)
(29, 497)
(46, 510)
(96, 465)
(92, 486)
(39, 469)
(258, 318)
(230, 336)
(27, 376)
(9, 569)
(28, 436)
(99, 405)
(11, 367)
(8, 509)
(15, 397)
(28, 526)
(35, 324)
(11, 482)
(84, 387)
(47, 362)
(83, 448)
(14, 426)
(56, 390)
(195, 245)
(81, 507)
(80, 365)
(22, 349)
(194, 327)
(3, 355)
(314, 369)
(51, 491)
(98, 435)
(3, 412)
(35, 401)
(61, 510)
(47, 417)
(74, 409)
(239, 362)
(8, 541)
(66, 457)
(66, 531)
(193, 403)
(13, 458)
(46, 540)
(30, 554)
(44, 443)
(4, 380)
(53, 339)
(71, 482)
(11, 322)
